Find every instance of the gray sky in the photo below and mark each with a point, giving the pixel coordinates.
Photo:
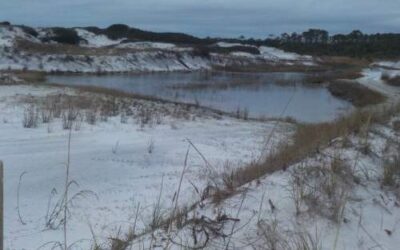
(252, 18)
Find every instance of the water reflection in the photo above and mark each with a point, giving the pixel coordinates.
(261, 94)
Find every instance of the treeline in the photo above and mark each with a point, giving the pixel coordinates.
(122, 31)
(312, 42)
(115, 31)
(354, 44)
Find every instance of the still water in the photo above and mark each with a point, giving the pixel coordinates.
(260, 94)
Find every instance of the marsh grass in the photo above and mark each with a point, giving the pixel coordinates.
(90, 108)
(308, 140)
(355, 93)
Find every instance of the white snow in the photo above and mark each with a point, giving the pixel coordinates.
(147, 45)
(242, 54)
(372, 79)
(227, 45)
(388, 64)
(270, 54)
(96, 40)
(371, 215)
(277, 54)
(140, 61)
(8, 34)
(110, 159)
(143, 56)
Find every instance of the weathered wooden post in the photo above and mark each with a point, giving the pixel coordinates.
(1, 206)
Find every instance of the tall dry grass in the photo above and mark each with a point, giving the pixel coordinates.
(308, 140)
(357, 94)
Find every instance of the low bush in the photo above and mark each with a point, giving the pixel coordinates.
(29, 30)
(201, 51)
(355, 93)
(117, 31)
(64, 36)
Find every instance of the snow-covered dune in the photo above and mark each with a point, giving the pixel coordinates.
(96, 52)
(118, 159)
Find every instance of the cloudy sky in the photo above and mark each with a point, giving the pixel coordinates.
(251, 18)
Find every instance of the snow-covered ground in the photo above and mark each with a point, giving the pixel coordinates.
(372, 78)
(123, 164)
(263, 214)
(98, 53)
(371, 215)
(389, 64)
(94, 40)
(280, 55)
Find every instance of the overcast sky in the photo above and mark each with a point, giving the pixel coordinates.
(251, 18)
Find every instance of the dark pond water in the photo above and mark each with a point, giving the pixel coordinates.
(260, 94)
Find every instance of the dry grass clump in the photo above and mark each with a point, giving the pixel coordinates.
(391, 172)
(331, 76)
(16, 77)
(392, 80)
(31, 76)
(92, 108)
(198, 231)
(343, 62)
(268, 67)
(322, 189)
(31, 117)
(355, 93)
(273, 237)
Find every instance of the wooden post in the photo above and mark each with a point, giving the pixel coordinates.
(1, 206)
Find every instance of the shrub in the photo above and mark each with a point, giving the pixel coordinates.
(29, 30)
(5, 23)
(31, 117)
(65, 36)
(238, 48)
(201, 51)
(117, 31)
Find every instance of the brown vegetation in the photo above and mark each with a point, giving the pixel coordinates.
(74, 50)
(269, 67)
(308, 140)
(391, 80)
(31, 76)
(355, 93)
